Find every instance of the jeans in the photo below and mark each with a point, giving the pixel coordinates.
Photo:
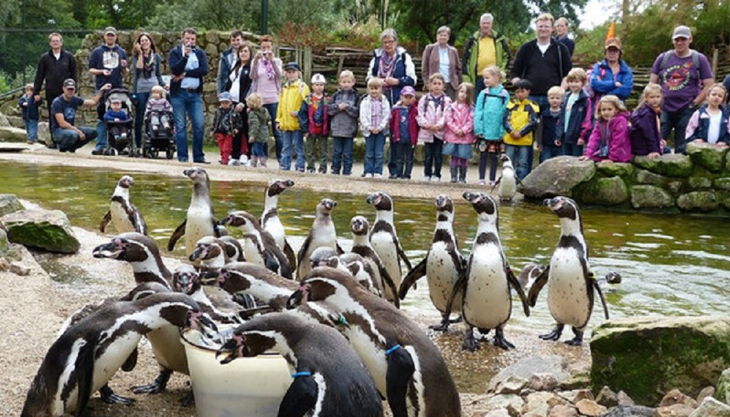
(342, 155)
(374, 153)
(403, 159)
(433, 158)
(521, 157)
(186, 104)
(291, 138)
(570, 149)
(677, 120)
(551, 151)
(271, 108)
(258, 149)
(101, 142)
(315, 148)
(69, 140)
(140, 106)
(31, 129)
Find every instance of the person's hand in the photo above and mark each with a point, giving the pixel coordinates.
(375, 131)
(698, 140)
(277, 126)
(178, 77)
(342, 106)
(82, 137)
(123, 63)
(116, 119)
(459, 132)
(580, 142)
(106, 72)
(166, 87)
(235, 131)
(392, 81)
(37, 98)
(105, 87)
(188, 48)
(607, 161)
(721, 144)
(557, 143)
(583, 158)
(136, 49)
(251, 139)
(515, 134)
(618, 84)
(293, 113)
(653, 155)
(514, 80)
(539, 147)
(434, 129)
(25, 104)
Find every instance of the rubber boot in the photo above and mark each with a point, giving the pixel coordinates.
(262, 161)
(453, 175)
(462, 174)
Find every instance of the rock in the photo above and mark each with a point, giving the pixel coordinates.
(671, 165)
(9, 204)
(722, 392)
(512, 385)
(698, 183)
(541, 402)
(44, 229)
(724, 197)
(615, 169)
(500, 412)
(563, 411)
(590, 408)
(4, 243)
(649, 196)
(4, 120)
(645, 356)
(647, 177)
(706, 155)
(576, 395)
(211, 50)
(676, 410)
(557, 176)
(44, 133)
(676, 396)
(16, 121)
(12, 134)
(604, 191)
(706, 392)
(727, 164)
(629, 411)
(552, 364)
(722, 183)
(624, 399)
(507, 402)
(698, 201)
(606, 397)
(543, 382)
(710, 407)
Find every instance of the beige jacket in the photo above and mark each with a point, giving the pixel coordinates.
(430, 64)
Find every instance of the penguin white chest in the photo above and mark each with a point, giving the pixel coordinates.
(487, 302)
(168, 349)
(372, 356)
(508, 185)
(112, 359)
(384, 246)
(567, 292)
(276, 229)
(442, 275)
(120, 219)
(251, 252)
(199, 224)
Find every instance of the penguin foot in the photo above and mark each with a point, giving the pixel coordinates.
(441, 327)
(109, 397)
(159, 385)
(470, 343)
(188, 400)
(554, 335)
(501, 342)
(576, 341)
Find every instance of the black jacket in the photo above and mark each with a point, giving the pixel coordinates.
(54, 71)
(544, 71)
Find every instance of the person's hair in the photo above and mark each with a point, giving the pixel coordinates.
(494, 70)
(443, 29)
(564, 20)
(523, 84)
(556, 90)
(712, 87)
(436, 76)
(577, 74)
(253, 101)
(153, 48)
(346, 74)
(55, 34)
(545, 16)
(236, 34)
(610, 99)
(158, 89)
(191, 31)
(389, 33)
(266, 38)
(649, 89)
(28, 86)
(469, 92)
(375, 82)
(486, 17)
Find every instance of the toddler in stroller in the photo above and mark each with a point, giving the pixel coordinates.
(119, 123)
(158, 126)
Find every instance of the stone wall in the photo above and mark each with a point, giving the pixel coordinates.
(698, 182)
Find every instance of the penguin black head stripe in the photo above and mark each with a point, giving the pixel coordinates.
(245, 344)
(444, 203)
(325, 206)
(380, 200)
(126, 181)
(359, 225)
(505, 158)
(563, 207)
(481, 203)
(277, 187)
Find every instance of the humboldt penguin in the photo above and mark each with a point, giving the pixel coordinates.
(258, 281)
(122, 213)
(407, 368)
(259, 246)
(361, 270)
(142, 254)
(488, 281)
(322, 234)
(89, 353)
(508, 181)
(270, 218)
(385, 240)
(359, 227)
(442, 265)
(569, 277)
(186, 280)
(200, 220)
(328, 378)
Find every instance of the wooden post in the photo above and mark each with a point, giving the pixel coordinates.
(307, 62)
(715, 53)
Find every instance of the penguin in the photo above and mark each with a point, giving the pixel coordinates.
(187, 281)
(89, 353)
(328, 378)
(442, 265)
(360, 269)
(258, 281)
(407, 368)
(321, 256)
(259, 246)
(568, 277)
(122, 213)
(233, 248)
(142, 254)
(200, 220)
(322, 234)
(488, 281)
(359, 227)
(270, 218)
(385, 242)
(508, 181)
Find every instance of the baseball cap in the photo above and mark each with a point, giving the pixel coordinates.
(292, 66)
(69, 82)
(408, 91)
(318, 79)
(613, 43)
(681, 32)
(224, 96)
(110, 29)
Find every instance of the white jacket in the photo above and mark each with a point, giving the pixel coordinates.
(366, 115)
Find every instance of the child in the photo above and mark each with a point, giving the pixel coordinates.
(489, 116)
(374, 116)
(576, 113)
(459, 132)
(287, 117)
(31, 114)
(645, 133)
(404, 132)
(116, 114)
(158, 109)
(226, 123)
(343, 113)
(431, 120)
(709, 123)
(520, 122)
(315, 123)
(258, 129)
(609, 140)
(552, 128)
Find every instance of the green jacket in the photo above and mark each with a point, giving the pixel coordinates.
(258, 125)
(471, 55)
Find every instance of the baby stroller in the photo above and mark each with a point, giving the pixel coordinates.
(159, 134)
(120, 134)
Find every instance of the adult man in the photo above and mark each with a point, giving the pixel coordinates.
(544, 61)
(486, 47)
(106, 63)
(188, 65)
(63, 112)
(685, 76)
(228, 59)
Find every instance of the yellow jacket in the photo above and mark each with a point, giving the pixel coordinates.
(522, 117)
(290, 100)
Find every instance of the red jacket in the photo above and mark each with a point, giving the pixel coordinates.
(412, 122)
(307, 114)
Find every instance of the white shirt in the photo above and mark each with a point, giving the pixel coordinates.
(57, 55)
(235, 90)
(444, 63)
(543, 47)
(713, 132)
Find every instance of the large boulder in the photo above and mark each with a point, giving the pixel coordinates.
(12, 134)
(671, 165)
(557, 176)
(699, 183)
(698, 201)
(554, 365)
(648, 356)
(722, 183)
(9, 203)
(649, 196)
(4, 243)
(615, 169)
(44, 229)
(722, 392)
(710, 407)
(647, 177)
(607, 191)
(707, 155)
(4, 120)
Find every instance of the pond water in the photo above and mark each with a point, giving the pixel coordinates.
(671, 264)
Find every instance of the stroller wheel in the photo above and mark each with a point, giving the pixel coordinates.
(155, 154)
(110, 152)
(170, 153)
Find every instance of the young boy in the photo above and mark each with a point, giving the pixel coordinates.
(226, 123)
(31, 113)
(552, 129)
(292, 95)
(404, 131)
(343, 111)
(575, 114)
(520, 122)
(314, 120)
(374, 116)
(116, 114)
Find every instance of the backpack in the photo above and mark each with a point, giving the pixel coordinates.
(668, 54)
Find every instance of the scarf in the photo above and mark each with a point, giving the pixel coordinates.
(148, 64)
(269, 67)
(386, 68)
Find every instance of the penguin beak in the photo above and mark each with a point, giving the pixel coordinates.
(201, 322)
(229, 350)
(107, 250)
(225, 221)
(188, 173)
(209, 277)
(198, 253)
(469, 196)
(288, 183)
(298, 297)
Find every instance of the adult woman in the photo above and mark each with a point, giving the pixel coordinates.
(612, 75)
(238, 85)
(266, 81)
(146, 67)
(393, 64)
(561, 34)
(444, 58)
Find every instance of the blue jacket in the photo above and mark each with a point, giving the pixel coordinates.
(552, 128)
(489, 113)
(602, 79)
(699, 125)
(30, 110)
(404, 71)
(644, 132)
(580, 124)
(177, 63)
(225, 64)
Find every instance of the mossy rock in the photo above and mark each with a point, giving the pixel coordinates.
(9, 204)
(647, 177)
(675, 186)
(698, 201)
(649, 196)
(43, 229)
(615, 169)
(12, 134)
(557, 176)
(649, 356)
(4, 243)
(604, 191)
(707, 155)
(722, 392)
(724, 197)
(722, 183)
(671, 165)
(699, 183)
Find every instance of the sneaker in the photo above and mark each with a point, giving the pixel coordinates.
(97, 151)
(369, 175)
(202, 161)
(427, 178)
(482, 182)
(234, 163)
(492, 183)
(311, 170)
(437, 179)
(393, 177)
(378, 175)
(30, 142)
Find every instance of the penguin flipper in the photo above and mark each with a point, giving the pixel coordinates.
(399, 374)
(300, 398)
(402, 255)
(512, 279)
(459, 285)
(131, 361)
(177, 234)
(600, 294)
(270, 262)
(303, 250)
(105, 221)
(540, 282)
(418, 272)
(84, 369)
(290, 255)
(339, 249)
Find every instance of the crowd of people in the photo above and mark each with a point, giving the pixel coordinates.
(555, 108)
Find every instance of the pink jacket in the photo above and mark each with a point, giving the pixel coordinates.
(431, 114)
(459, 116)
(619, 145)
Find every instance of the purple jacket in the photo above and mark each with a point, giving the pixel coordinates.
(644, 133)
(619, 147)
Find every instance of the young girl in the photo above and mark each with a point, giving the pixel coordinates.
(488, 121)
(645, 132)
(374, 117)
(709, 123)
(609, 140)
(258, 129)
(158, 109)
(431, 120)
(459, 131)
